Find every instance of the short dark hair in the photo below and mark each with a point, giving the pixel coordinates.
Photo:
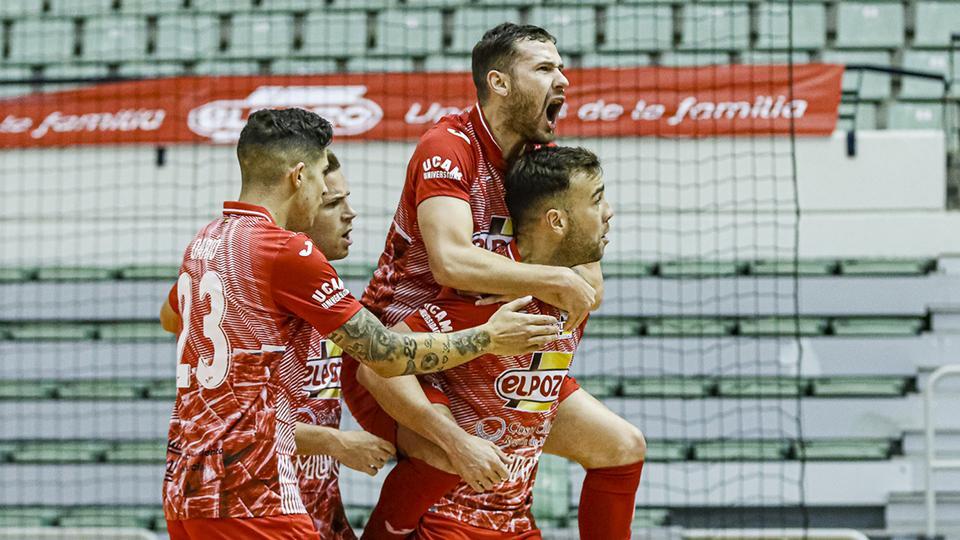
(274, 139)
(333, 164)
(542, 174)
(497, 50)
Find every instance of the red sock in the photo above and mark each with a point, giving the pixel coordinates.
(410, 489)
(607, 502)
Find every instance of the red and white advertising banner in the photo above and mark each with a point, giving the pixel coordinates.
(708, 101)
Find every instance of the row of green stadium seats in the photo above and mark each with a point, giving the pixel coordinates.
(321, 31)
(154, 452)
(599, 326)
(687, 387)
(618, 327)
(623, 269)
(697, 387)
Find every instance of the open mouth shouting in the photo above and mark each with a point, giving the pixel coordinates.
(552, 111)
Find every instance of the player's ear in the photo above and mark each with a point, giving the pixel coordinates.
(498, 82)
(556, 220)
(294, 176)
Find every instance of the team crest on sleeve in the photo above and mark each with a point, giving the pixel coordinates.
(498, 235)
(440, 168)
(330, 292)
(323, 372)
(536, 388)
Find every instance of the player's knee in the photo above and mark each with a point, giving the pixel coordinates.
(631, 448)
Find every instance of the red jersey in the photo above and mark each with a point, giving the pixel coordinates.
(319, 475)
(247, 294)
(457, 157)
(508, 400)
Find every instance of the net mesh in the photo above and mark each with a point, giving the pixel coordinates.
(697, 340)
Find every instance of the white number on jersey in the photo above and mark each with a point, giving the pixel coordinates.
(212, 373)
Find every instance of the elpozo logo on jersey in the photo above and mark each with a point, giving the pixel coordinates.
(536, 388)
(323, 372)
(345, 107)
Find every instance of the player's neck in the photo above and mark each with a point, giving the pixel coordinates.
(510, 142)
(534, 250)
(277, 209)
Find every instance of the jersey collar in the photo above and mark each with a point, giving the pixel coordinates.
(491, 149)
(247, 209)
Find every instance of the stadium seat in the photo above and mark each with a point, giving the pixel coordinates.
(162, 390)
(223, 6)
(132, 331)
(869, 85)
(892, 326)
(21, 8)
(75, 273)
(906, 115)
(740, 450)
(151, 70)
(469, 24)
(260, 36)
(663, 451)
(80, 8)
(436, 4)
(615, 60)
(842, 450)
(14, 90)
(187, 36)
(787, 268)
(782, 326)
(937, 62)
(935, 22)
(711, 27)
(887, 267)
(294, 66)
(101, 389)
(551, 491)
(60, 452)
(600, 386)
(628, 268)
(574, 27)
(50, 331)
(409, 32)
(334, 33)
(373, 64)
(870, 25)
(20, 389)
(809, 26)
(41, 40)
(688, 58)
(72, 71)
(613, 326)
(693, 269)
(14, 275)
(114, 38)
(638, 28)
(117, 516)
(151, 7)
(222, 67)
(773, 57)
(138, 452)
(691, 326)
(862, 115)
(762, 387)
(447, 63)
(666, 387)
(162, 273)
(860, 386)
(650, 517)
(28, 516)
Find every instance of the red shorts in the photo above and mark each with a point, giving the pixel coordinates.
(282, 527)
(373, 419)
(434, 527)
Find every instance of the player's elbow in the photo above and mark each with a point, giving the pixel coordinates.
(449, 271)
(169, 320)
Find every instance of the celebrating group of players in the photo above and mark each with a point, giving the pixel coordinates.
(269, 339)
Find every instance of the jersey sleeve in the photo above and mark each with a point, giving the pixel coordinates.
(442, 165)
(304, 283)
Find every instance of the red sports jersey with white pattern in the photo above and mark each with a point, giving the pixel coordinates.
(457, 157)
(247, 294)
(319, 475)
(508, 400)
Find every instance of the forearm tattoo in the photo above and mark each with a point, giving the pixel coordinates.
(366, 339)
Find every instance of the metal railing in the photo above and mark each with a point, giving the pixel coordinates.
(932, 462)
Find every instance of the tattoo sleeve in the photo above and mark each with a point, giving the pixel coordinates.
(391, 353)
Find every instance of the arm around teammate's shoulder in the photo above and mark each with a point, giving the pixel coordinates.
(390, 354)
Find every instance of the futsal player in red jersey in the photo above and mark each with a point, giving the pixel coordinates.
(451, 229)
(248, 293)
(561, 218)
